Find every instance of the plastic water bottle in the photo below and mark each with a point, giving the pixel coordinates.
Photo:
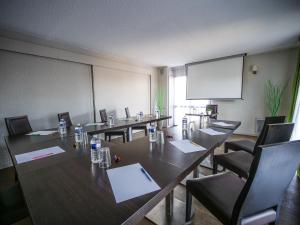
(184, 123)
(157, 113)
(152, 133)
(95, 148)
(78, 134)
(110, 120)
(62, 127)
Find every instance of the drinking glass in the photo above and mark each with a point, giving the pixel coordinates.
(85, 138)
(104, 157)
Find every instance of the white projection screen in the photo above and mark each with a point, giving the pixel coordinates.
(215, 79)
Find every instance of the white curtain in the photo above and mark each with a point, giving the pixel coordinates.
(296, 120)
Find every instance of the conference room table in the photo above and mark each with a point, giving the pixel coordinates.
(98, 127)
(121, 123)
(67, 188)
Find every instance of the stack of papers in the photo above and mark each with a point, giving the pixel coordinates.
(42, 132)
(211, 131)
(39, 154)
(186, 146)
(130, 181)
(94, 124)
(222, 124)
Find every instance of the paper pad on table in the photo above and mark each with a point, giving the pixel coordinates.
(187, 146)
(211, 131)
(42, 132)
(39, 154)
(128, 182)
(94, 124)
(222, 124)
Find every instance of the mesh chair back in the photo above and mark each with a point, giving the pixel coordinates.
(18, 125)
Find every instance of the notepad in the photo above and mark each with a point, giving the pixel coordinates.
(186, 146)
(94, 124)
(222, 124)
(129, 182)
(39, 154)
(211, 131)
(42, 132)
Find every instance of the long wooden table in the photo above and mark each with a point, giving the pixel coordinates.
(67, 189)
(124, 123)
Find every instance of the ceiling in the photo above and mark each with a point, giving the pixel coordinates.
(154, 32)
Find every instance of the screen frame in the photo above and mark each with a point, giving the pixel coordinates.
(213, 60)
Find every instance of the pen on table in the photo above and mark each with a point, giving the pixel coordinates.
(146, 174)
(42, 156)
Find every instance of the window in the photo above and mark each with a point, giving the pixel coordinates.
(179, 105)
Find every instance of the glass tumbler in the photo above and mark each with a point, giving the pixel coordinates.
(104, 157)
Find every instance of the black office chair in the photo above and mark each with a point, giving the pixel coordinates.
(214, 111)
(18, 125)
(255, 201)
(136, 127)
(66, 117)
(12, 205)
(109, 134)
(248, 145)
(240, 161)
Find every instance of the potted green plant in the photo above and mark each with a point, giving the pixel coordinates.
(160, 103)
(273, 95)
(273, 100)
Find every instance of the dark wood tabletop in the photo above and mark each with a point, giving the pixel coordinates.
(123, 123)
(67, 189)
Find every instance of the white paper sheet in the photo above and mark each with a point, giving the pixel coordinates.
(222, 124)
(187, 146)
(42, 132)
(211, 131)
(128, 182)
(94, 124)
(39, 154)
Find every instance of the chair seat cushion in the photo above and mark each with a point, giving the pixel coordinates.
(218, 193)
(238, 162)
(245, 145)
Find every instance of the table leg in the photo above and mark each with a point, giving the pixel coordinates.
(200, 122)
(196, 172)
(129, 134)
(170, 211)
(212, 158)
(208, 162)
(169, 204)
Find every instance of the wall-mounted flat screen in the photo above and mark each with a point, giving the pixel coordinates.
(215, 79)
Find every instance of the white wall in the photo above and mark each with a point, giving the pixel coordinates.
(101, 61)
(42, 87)
(41, 81)
(117, 89)
(279, 67)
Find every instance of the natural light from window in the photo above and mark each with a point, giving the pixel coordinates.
(181, 105)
